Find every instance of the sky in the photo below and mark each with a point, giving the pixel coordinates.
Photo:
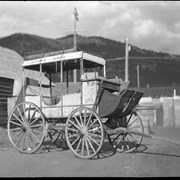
(151, 25)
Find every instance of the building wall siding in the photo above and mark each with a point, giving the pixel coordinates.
(6, 90)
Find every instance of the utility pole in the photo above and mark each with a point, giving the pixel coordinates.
(75, 20)
(138, 80)
(75, 41)
(126, 60)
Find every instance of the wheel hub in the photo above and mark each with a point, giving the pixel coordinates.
(83, 131)
(25, 126)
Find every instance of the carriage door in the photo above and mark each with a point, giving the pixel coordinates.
(6, 90)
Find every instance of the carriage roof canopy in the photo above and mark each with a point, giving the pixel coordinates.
(69, 58)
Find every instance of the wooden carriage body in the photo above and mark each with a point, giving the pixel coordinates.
(63, 103)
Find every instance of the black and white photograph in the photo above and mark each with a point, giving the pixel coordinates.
(89, 89)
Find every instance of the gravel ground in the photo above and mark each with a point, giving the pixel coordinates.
(152, 159)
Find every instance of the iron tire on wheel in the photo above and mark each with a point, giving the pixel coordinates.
(26, 127)
(127, 141)
(84, 132)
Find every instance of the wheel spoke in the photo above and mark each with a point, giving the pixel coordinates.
(82, 148)
(75, 141)
(23, 141)
(85, 117)
(14, 129)
(20, 114)
(29, 112)
(33, 114)
(17, 118)
(126, 142)
(72, 129)
(27, 140)
(132, 122)
(34, 136)
(127, 137)
(122, 145)
(91, 145)
(31, 139)
(74, 125)
(80, 140)
(16, 123)
(17, 134)
(92, 123)
(41, 133)
(89, 120)
(37, 125)
(77, 121)
(93, 140)
(23, 107)
(80, 116)
(87, 147)
(34, 121)
(120, 139)
(134, 137)
(19, 139)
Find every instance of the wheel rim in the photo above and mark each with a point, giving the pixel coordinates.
(84, 132)
(26, 127)
(127, 141)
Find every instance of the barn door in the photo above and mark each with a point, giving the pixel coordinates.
(6, 90)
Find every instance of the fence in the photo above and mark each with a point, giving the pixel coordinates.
(163, 111)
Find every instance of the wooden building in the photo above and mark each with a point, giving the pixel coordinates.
(10, 73)
(11, 79)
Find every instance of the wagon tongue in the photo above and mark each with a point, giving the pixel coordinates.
(117, 130)
(125, 130)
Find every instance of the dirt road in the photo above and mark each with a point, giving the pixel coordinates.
(152, 159)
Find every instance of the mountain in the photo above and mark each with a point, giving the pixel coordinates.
(26, 43)
(153, 72)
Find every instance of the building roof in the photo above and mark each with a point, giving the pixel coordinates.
(11, 66)
(10, 63)
(65, 57)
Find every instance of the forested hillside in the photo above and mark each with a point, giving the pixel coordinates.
(153, 72)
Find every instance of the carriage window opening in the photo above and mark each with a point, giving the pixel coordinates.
(93, 67)
(69, 86)
(52, 77)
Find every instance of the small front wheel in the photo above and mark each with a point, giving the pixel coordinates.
(26, 127)
(84, 132)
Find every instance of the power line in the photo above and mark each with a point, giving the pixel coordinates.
(169, 60)
(116, 59)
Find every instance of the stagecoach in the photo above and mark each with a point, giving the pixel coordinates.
(84, 111)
